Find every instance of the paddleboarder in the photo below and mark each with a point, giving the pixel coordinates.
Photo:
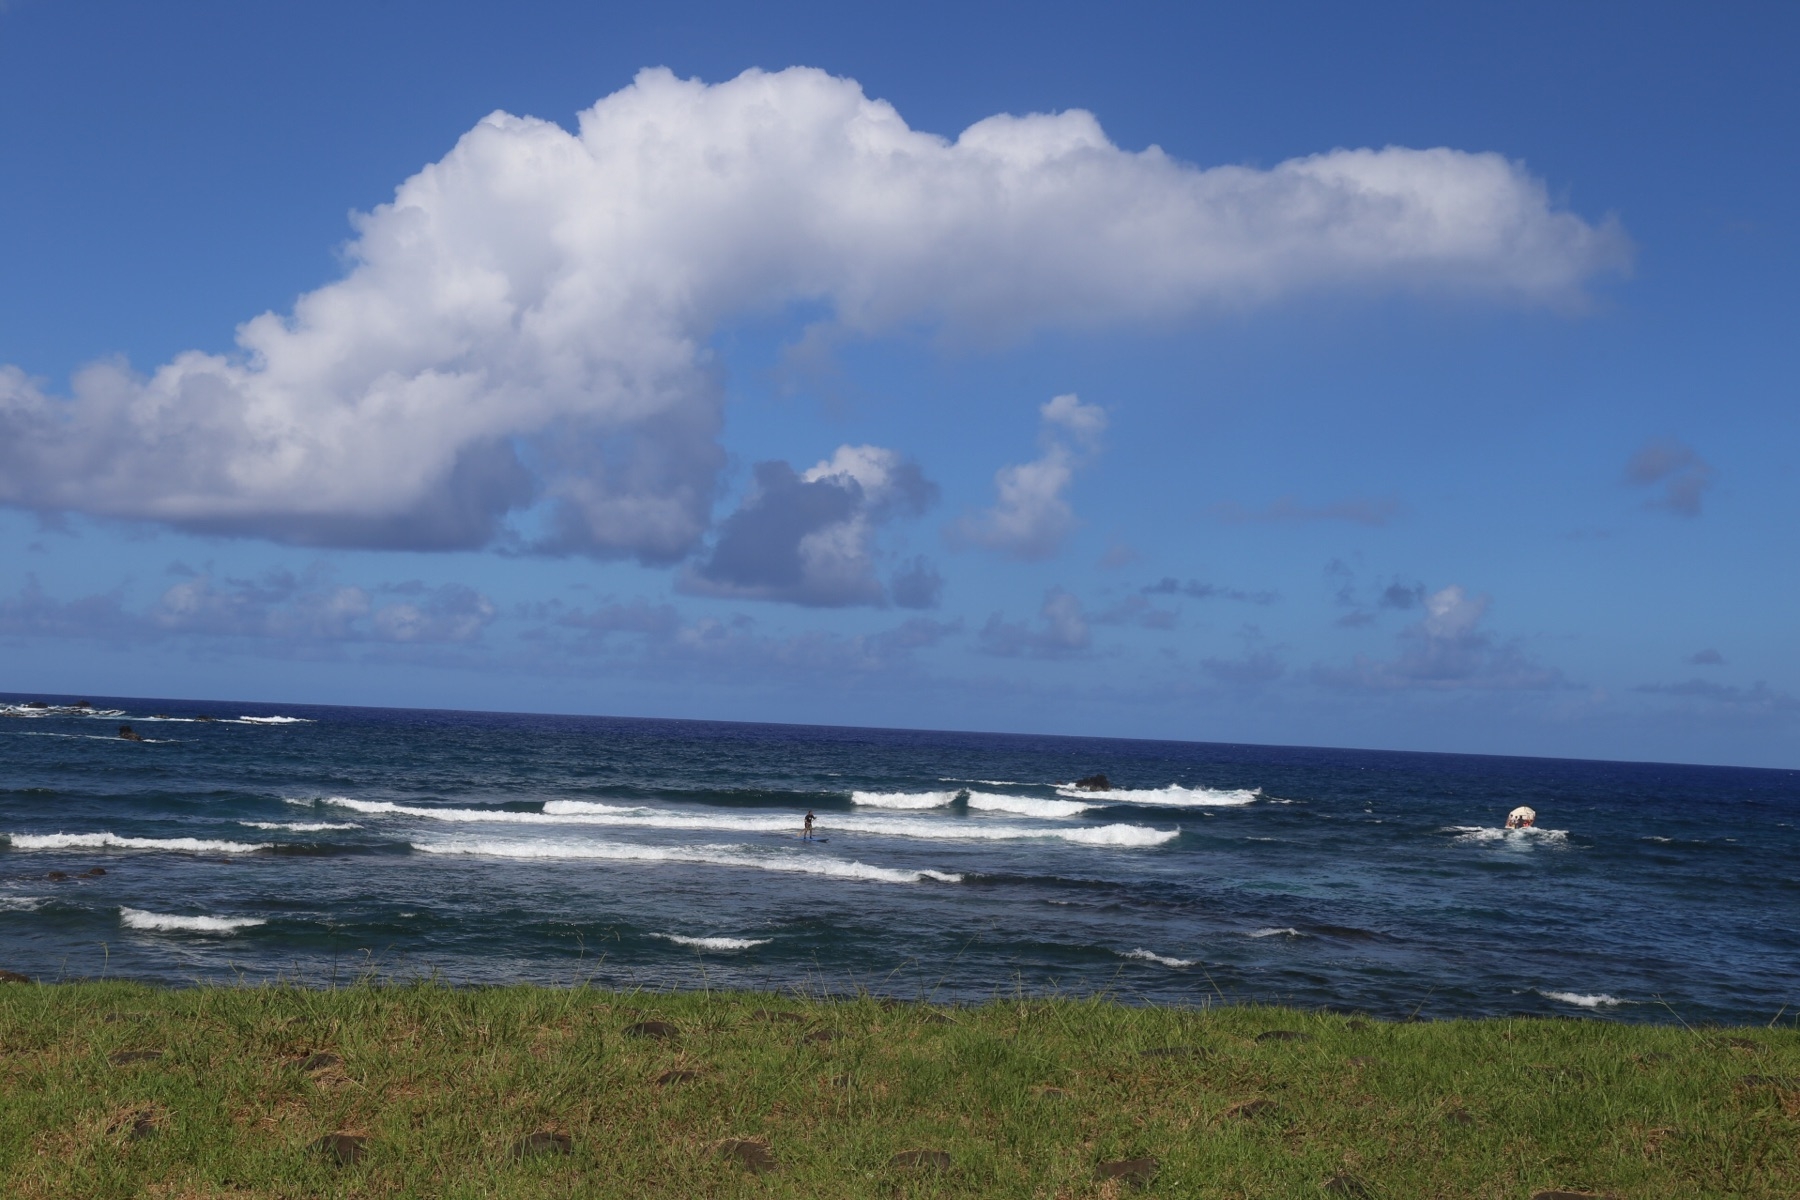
(807, 836)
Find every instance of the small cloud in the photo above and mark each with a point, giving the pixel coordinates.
(1031, 515)
(1363, 510)
(1119, 554)
(1446, 650)
(639, 616)
(916, 634)
(1061, 631)
(1706, 658)
(1681, 474)
(1136, 610)
(1401, 595)
(1193, 589)
(1251, 670)
(917, 585)
(1759, 697)
(809, 538)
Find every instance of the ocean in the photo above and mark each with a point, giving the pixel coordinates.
(254, 843)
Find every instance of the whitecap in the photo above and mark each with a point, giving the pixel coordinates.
(137, 918)
(1583, 1000)
(301, 826)
(1488, 833)
(1029, 806)
(713, 943)
(1173, 796)
(112, 841)
(902, 799)
(21, 903)
(1287, 931)
(583, 812)
(1151, 956)
(720, 856)
(274, 721)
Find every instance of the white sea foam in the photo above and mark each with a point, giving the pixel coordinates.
(21, 903)
(1150, 956)
(301, 826)
(1287, 931)
(1029, 806)
(1581, 1000)
(112, 841)
(1173, 796)
(274, 721)
(587, 812)
(58, 710)
(713, 943)
(137, 918)
(902, 799)
(1517, 837)
(720, 856)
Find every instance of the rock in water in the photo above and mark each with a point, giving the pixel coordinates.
(1094, 783)
(13, 977)
(126, 732)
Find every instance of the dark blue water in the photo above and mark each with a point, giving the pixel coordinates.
(487, 847)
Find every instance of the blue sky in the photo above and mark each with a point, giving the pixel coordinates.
(1430, 386)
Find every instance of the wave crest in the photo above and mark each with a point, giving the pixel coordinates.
(713, 943)
(112, 841)
(1173, 796)
(720, 856)
(137, 918)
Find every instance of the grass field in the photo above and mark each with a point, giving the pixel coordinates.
(117, 1090)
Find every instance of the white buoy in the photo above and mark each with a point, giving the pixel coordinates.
(1521, 818)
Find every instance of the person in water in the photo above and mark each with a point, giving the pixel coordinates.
(807, 836)
(1521, 818)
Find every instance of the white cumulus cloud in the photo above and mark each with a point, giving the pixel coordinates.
(1031, 514)
(519, 349)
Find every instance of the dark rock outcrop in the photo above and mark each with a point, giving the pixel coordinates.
(1094, 783)
(129, 734)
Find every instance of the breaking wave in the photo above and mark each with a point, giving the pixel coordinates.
(899, 799)
(301, 826)
(713, 943)
(1582, 1000)
(275, 721)
(1151, 956)
(1285, 931)
(137, 918)
(1029, 806)
(587, 812)
(112, 841)
(1517, 837)
(719, 856)
(1173, 796)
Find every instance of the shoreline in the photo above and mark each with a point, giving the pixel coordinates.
(114, 1088)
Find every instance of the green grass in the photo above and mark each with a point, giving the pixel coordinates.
(445, 1082)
